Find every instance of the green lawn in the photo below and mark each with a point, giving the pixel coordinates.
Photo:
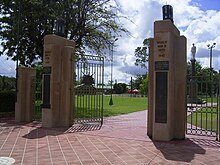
(121, 105)
(124, 105)
(209, 99)
(205, 118)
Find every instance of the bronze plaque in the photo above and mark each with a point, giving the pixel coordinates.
(161, 65)
(46, 91)
(161, 97)
(47, 70)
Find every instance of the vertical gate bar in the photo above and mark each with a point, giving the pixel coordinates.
(206, 109)
(201, 111)
(91, 94)
(211, 79)
(101, 94)
(102, 79)
(186, 104)
(94, 96)
(216, 131)
(98, 66)
(218, 109)
(88, 117)
(79, 113)
(82, 94)
(98, 115)
(76, 94)
(94, 66)
(94, 100)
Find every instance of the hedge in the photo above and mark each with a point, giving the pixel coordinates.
(7, 101)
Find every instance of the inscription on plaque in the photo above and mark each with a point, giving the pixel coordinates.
(161, 48)
(46, 91)
(161, 65)
(47, 55)
(161, 97)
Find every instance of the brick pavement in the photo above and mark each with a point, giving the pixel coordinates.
(121, 140)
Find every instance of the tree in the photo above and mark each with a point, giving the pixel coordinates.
(144, 86)
(142, 53)
(206, 78)
(198, 68)
(137, 81)
(24, 23)
(120, 88)
(7, 83)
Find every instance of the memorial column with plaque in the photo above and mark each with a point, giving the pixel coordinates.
(58, 63)
(167, 73)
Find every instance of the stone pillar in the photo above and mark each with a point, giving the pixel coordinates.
(26, 87)
(167, 74)
(57, 109)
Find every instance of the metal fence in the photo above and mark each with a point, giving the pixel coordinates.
(37, 115)
(202, 106)
(89, 80)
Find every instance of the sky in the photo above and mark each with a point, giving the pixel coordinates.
(197, 20)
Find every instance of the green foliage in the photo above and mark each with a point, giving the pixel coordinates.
(144, 86)
(7, 83)
(198, 67)
(120, 88)
(7, 103)
(141, 54)
(206, 78)
(24, 23)
(39, 72)
(137, 81)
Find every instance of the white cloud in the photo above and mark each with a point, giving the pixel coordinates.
(7, 68)
(199, 27)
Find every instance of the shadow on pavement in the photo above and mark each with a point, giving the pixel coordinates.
(40, 132)
(84, 128)
(179, 150)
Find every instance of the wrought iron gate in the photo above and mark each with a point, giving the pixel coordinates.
(89, 77)
(37, 115)
(202, 106)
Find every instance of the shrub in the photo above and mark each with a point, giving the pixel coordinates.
(7, 101)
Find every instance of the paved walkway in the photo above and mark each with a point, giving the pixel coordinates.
(121, 140)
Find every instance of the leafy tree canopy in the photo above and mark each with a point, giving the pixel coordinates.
(93, 24)
(120, 88)
(141, 53)
(7, 83)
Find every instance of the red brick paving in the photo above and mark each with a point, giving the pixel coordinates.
(121, 140)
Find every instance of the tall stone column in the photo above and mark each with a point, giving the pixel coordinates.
(167, 93)
(58, 63)
(26, 85)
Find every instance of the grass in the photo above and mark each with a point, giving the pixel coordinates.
(210, 99)
(123, 105)
(205, 118)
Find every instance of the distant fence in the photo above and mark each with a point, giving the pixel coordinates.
(129, 95)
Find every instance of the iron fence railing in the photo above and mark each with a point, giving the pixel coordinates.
(202, 106)
(89, 77)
